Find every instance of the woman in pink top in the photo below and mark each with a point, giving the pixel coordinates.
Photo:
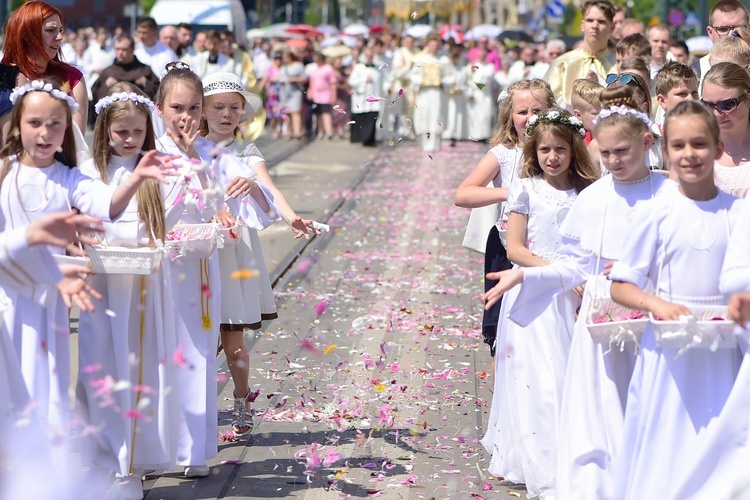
(322, 92)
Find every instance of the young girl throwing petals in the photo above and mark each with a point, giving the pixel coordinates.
(142, 326)
(531, 360)
(593, 235)
(500, 166)
(180, 102)
(37, 178)
(246, 302)
(686, 420)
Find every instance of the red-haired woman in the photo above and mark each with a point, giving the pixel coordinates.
(33, 36)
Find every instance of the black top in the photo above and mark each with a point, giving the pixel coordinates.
(8, 76)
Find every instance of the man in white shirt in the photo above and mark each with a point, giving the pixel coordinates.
(725, 16)
(660, 38)
(149, 50)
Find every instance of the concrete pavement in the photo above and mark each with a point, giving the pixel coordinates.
(373, 381)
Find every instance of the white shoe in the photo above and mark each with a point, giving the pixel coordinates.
(197, 470)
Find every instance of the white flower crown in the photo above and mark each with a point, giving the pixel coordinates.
(622, 111)
(556, 117)
(41, 86)
(123, 96)
(175, 65)
(502, 96)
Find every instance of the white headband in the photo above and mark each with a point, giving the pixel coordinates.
(123, 96)
(41, 86)
(622, 111)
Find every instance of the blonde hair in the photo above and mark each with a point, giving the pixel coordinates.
(617, 94)
(14, 146)
(733, 48)
(586, 92)
(693, 108)
(148, 196)
(581, 170)
(729, 76)
(506, 133)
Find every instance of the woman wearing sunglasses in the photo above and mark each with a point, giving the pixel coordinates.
(725, 91)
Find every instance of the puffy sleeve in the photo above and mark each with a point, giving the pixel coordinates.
(639, 252)
(90, 196)
(518, 197)
(23, 269)
(735, 273)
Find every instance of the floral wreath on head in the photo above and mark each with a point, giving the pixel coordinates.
(175, 65)
(623, 111)
(556, 117)
(123, 96)
(42, 86)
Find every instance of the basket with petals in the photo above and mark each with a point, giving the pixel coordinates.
(707, 328)
(229, 236)
(194, 240)
(121, 260)
(610, 323)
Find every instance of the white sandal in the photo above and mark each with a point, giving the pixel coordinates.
(242, 418)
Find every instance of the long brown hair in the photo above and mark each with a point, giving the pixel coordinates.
(14, 146)
(582, 172)
(148, 196)
(506, 133)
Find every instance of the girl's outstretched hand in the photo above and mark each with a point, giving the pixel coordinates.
(303, 227)
(225, 218)
(508, 279)
(64, 229)
(666, 311)
(739, 309)
(75, 290)
(154, 165)
(185, 138)
(239, 187)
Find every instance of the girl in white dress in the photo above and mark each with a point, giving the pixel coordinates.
(685, 427)
(37, 178)
(530, 362)
(142, 326)
(488, 183)
(246, 302)
(179, 102)
(593, 235)
(725, 89)
(26, 263)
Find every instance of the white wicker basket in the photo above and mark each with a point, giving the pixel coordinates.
(194, 240)
(229, 236)
(121, 260)
(608, 322)
(703, 330)
(71, 259)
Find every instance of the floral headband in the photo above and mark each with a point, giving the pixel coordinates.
(502, 96)
(123, 96)
(556, 117)
(622, 111)
(175, 65)
(41, 86)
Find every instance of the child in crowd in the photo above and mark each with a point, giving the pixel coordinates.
(38, 177)
(179, 102)
(586, 105)
(245, 302)
(726, 87)
(635, 45)
(674, 83)
(531, 360)
(144, 316)
(500, 166)
(686, 420)
(734, 48)
(593, 235)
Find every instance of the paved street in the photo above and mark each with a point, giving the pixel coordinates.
(373, 381)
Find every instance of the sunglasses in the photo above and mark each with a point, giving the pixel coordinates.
(724, 30)
(626, 79)
(725, 105)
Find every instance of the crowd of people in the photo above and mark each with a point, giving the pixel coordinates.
(617, 265)
(616, 237)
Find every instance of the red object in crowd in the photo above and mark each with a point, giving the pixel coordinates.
(448, 31)
(304, 30)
